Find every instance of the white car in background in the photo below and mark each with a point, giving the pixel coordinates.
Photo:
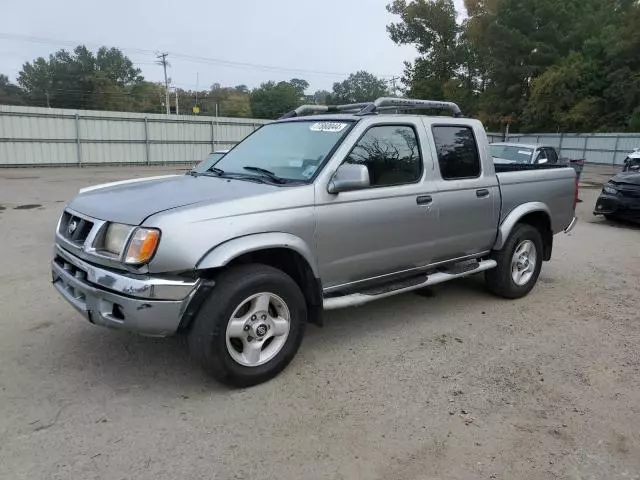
(632, 162)
(203, 166)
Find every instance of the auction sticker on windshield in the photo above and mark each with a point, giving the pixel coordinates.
(328, 127)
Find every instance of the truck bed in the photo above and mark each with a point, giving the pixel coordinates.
(551, 185)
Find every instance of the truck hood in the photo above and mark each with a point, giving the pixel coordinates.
(132, 203)
(631, 178)
(122, 182)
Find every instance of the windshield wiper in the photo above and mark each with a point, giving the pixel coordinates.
(216, 170)
(266, 173)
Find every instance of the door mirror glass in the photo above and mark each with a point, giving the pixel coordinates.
(349, 176)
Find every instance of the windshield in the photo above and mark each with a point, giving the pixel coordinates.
(290, 150)
(512, 153)
(207, 163)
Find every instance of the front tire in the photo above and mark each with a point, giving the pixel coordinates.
(250, 327)
(519, 263)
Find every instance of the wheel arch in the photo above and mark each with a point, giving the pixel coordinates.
(283, 251)
(536, 214)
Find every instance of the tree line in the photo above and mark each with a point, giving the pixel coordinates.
(535, 65)
(108, 80)
(530, 65)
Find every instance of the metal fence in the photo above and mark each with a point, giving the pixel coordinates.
(600, 148)
(32, 136)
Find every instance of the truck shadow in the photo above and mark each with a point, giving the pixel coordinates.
(162, 366)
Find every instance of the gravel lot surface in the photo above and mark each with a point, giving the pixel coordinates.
(458, 386)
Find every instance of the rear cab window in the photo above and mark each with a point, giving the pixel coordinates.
(457, 150)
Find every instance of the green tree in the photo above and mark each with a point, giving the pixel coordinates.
(272, 99)
(81, 79)
(449, 66)
(557, 65)
(429, 25)
(359, 87)
(10, 94)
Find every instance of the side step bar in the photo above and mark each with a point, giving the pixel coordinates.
(357, 299)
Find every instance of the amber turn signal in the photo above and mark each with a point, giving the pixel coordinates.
(142, 246)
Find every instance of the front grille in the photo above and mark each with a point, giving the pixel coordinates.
(629, 192)
(74, 229)
(75, 272)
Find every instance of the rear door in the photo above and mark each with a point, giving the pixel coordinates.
(468, 198)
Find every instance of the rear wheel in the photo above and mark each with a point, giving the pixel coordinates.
(519, 263)
(250, 327)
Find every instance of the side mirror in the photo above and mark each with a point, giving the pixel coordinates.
(349, 176)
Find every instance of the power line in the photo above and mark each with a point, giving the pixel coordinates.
(192, 58)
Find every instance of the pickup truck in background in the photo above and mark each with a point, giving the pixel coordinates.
(508, 153)
(524, 153)
(328, 207)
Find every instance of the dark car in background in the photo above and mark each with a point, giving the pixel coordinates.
(620, 197)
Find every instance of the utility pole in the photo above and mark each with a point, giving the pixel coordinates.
(393, 85)
(162, 57)
(177, 111)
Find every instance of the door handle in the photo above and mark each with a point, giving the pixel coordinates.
(482, 193)
(424, 200)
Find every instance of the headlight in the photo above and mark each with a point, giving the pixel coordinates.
(609, 189)
(115, 238)
(142, 246)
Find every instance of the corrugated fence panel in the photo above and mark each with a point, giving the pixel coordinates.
(93, 153)
(179, 153)
(49, 136)
(41, 153)
(46, 136)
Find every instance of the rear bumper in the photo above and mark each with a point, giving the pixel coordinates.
(618, 206)
(146, 305)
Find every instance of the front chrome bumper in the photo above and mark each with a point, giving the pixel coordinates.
(147, 305)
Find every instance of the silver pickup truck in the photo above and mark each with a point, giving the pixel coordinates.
(328, 207)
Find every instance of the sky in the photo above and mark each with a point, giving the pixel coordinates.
(231, 42)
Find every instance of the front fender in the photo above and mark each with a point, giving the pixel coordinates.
(224, 253)
(512, 219)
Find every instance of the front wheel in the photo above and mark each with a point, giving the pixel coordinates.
(250, 327)
(519, 263)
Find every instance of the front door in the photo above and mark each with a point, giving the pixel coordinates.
(384, 229)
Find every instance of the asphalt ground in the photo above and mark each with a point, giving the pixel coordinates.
(459, 385)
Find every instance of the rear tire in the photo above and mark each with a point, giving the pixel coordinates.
(519, 263)
(250, 327)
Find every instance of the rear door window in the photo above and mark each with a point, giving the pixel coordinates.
(457, 150)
